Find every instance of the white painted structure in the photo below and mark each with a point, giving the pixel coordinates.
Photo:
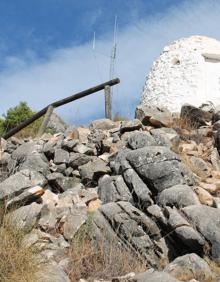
(187, 71)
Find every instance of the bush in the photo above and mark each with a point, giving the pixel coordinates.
(17, 115)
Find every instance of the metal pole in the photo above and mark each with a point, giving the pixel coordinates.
(45, 121)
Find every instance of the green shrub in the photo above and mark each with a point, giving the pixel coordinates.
(17, 115)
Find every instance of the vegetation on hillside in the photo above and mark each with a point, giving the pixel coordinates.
(17, 115)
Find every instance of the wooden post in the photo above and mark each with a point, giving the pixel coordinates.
(108, 102)
(60, 103)
(45, 121)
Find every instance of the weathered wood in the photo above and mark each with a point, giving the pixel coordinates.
(45, 121)
(60, 103)
(108, 102)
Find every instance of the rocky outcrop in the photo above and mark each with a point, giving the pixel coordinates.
(160, 205)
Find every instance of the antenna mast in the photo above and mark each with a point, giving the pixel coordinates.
(114, 49)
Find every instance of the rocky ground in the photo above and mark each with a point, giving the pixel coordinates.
(151, 184)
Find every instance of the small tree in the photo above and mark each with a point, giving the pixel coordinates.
(16, 115)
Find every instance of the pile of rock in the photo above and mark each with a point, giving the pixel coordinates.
(161, 205)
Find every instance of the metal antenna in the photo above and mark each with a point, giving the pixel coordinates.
(113, 52)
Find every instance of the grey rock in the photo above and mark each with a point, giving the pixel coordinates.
(60, 183)
(191, 266)
(77, 159)
(207, 221)
(92, 171)
(69, 145)
(216, 125)
(56, 123)
(139, 190)
(165, 136)
(103, 124)
(49, 149)
(140, 140)
(152, 115)
(30, 156)
(50, 273)
(83, 149)
(72, 224)
(201, 166)
(19, 182)
(28, 196)
(113, 189)
(130, 125)
(61, 156)
(178, 196)
(159, 167)
(68, 171)
(153, 276)
(25, 217)
(130, 227)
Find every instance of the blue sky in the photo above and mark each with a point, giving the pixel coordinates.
(46, 52)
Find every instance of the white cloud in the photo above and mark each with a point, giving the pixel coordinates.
(76, 68)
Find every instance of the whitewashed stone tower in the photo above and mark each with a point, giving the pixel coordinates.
(187, 71)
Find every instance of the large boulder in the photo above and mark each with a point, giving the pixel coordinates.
(190, 266)
(207, 221)
(155, 116)
(131, 228)
(19, 182)
(159, 167)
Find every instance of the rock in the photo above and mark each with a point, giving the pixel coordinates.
(139, 190)
(50, 273)
(153, 276)
(61, 156)
(83, 149)
(29, 156)
(190, 239)
(165, 136)
(113, 189)
(83, 134)
(129, 226)
(92, 171)
(178, 196)
(204, 196)
(19, 182)
(200, 167)
(159, 167)
(207, 221)
(196, 117)
(77, 159)
(130, 125)
(94, 205)
(3, 144)
(69, 145)
(155, 116)
(60, 183)
(190, 266)
(72, 223)
(28, 196)
(215, 160)
(56, 124)
(25, 217)
(103, 124)
(140, 140)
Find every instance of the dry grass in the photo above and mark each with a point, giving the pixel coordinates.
(90, 261)
(17, 264)
(119, 117)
